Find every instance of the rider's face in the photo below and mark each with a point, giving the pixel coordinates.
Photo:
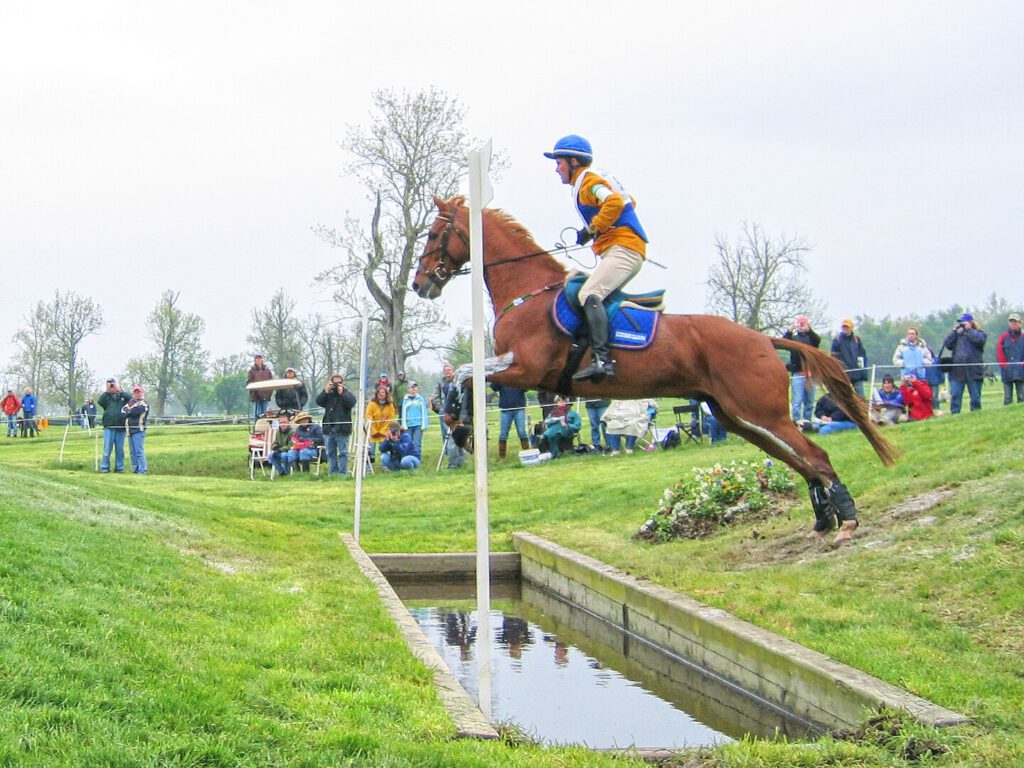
(563, 169)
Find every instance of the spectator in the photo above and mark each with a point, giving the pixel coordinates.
(546, 401)
(307, 438)
(967, 343)
(713, 428)
(10, 405)
(912, 355)
(935, 377)
(399, 387)
(455, 448)
(802, 400)
(887, 403)
(28, 414)
(112, 401)
(848, 350)
(830, 417)
(1010, 353)
(292, 399)
(512, 409)
(89, 414)
(437, 402)
(398, 451)
(415, 414)
(380, 412)
(136, 412)
(383, 381)
(282, 445)
(260, 398)
(917, 396)
(560, 427)
(629, 419)
(595, 410)
(337, 402)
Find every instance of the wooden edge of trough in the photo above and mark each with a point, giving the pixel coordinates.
(619, 586)
(469, 720)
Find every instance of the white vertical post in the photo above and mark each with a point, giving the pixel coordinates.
(480, 194)
(358, 433)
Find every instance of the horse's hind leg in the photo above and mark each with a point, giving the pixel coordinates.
(829, 497)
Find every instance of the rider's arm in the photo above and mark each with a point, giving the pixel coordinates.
(611, 205)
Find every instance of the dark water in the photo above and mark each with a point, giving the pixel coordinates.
(564, 677)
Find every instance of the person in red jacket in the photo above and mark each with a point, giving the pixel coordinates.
(10, 405)
(917, 396)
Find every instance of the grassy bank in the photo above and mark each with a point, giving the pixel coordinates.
(192, 617)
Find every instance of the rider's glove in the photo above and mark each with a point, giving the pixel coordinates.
(584, 236)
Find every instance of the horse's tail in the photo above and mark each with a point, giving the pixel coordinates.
(826, 370)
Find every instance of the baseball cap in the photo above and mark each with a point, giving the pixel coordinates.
(966, 317)
(802, 319)
(111, 381)
(847, 323)
(413, 384)
(138, 389)
(1014, 316)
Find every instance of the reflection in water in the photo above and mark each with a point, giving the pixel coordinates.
(553, 690)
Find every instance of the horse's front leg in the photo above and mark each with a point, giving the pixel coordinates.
(464, 380)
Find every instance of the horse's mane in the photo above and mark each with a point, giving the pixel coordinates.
(519, 234)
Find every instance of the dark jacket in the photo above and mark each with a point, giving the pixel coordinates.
(337, 411)
(135, 412)
(796, 360)
(967, 346)
(437, 402)
(509, 397)
(826, 406)
(400, 448)
(259, 373)
(112, 403)
(307, 433)
(1010, 353)
(846, 349)
(292, 399)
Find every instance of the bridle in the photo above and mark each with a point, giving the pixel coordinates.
(447, 267)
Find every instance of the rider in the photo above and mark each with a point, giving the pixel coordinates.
(608, 211)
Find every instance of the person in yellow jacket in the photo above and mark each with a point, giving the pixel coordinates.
(380, 412)
(610, 221)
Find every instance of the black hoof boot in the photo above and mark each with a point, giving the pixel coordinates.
(843, 502)
(824, 512)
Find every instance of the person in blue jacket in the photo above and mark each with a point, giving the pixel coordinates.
(398, 451)
(967, 343)
(28, 413)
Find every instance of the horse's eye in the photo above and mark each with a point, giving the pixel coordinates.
(431, 236)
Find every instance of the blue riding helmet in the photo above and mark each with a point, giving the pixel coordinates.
(571, 146)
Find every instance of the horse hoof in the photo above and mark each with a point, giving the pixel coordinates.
(845, 535)
(819, 535)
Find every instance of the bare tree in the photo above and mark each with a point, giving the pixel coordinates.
(760, 282)
(178, 339)
(275, 332)
(415, 147)
(48, 346)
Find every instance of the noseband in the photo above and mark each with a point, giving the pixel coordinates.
(446, 268)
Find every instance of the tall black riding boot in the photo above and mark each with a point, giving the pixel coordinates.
(597, 329)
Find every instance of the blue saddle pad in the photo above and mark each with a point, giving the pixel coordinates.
(628, 327)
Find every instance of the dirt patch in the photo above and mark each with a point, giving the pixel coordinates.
(766, 549)
(885, 730)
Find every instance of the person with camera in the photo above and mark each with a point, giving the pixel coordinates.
(967, 343)
(917, 396)
(337, 402)
(112, 401)
(802, 386)
(398, 451)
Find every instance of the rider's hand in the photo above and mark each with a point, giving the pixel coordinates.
(584, 236)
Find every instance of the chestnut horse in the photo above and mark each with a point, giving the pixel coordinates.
(735, 369)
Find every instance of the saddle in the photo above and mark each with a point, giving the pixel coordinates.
(632, 317)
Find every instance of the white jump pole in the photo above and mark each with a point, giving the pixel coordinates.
(480, 194)
(361, 447)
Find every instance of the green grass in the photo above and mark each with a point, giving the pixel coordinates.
(195, 618)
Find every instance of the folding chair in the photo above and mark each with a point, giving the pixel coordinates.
(261, 441)
(693, 424)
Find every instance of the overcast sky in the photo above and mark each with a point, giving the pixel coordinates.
(193, 145)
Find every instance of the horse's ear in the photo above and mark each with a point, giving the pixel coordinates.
(439, 203)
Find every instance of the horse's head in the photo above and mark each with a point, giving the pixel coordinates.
(446, 250)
